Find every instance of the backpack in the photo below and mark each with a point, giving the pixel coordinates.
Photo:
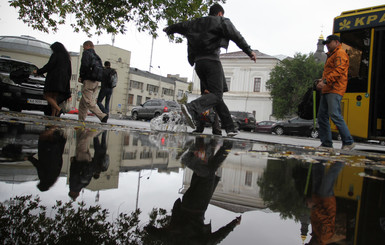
(305, 108)
(113, 79)
(110, 78)
(96, 68)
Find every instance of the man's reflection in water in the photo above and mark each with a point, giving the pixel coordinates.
(187, 220)
(323, 202)
(83, 165)
(50, 147)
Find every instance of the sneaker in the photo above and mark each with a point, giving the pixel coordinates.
(231, 133)
(188, 116)
(104, 119)
(348, 147)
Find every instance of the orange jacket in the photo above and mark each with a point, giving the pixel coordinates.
(336, 71)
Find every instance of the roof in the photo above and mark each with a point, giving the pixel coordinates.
(25, 44)
(242, 55)
(147, 74)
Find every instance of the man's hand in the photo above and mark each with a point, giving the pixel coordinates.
(253, 56)
(320, 85)
(80, 80)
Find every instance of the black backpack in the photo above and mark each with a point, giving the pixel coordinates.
(305, 108)
(96, 68)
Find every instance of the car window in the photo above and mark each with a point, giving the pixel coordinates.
(249, 115)
(9, 66)
(156, 103)
(171, 103)
(147, 103)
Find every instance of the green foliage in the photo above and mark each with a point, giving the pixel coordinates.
(290, 80)
(110, 16)
(24, 220)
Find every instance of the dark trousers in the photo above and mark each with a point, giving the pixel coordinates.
(104, 93)
(211, 75)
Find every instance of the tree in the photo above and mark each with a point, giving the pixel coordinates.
(110, 16)
(290, 80)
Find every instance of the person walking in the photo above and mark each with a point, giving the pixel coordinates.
(57, 82)
(89, 62)
(333, 86)
(205, 36)
(106, 88)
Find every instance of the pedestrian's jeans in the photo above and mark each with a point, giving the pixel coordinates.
(104, 93)
(330, 106)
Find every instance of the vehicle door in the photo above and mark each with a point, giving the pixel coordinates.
(294, 125)
(145, 111)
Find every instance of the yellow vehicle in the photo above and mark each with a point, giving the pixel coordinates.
(362, 33)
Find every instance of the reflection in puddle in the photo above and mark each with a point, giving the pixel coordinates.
(196, 188)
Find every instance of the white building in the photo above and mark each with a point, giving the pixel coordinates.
(246, 81)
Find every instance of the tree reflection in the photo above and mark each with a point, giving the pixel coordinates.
(282, 188)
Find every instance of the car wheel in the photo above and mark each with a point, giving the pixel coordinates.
(278, 130)
(314, 134)
(135, 115)
(238, 126)
(157, 114)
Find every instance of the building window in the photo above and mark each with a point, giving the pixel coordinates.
(138, 100)
(248, 178)
(130, 99)
(180, 93)
(167, 91)
(136, 84)
(145, 155)
(228, 82)
(129, 155)
(74, 77)
(148, 98)
(152, 88)
(257, 84)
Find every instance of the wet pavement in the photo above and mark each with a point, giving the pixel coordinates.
(190, 189)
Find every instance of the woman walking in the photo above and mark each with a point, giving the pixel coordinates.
(57, 82)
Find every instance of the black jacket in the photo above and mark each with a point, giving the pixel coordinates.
(89, 57)
(59, 73)
(207, 35)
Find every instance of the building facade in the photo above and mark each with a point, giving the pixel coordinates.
(246, 81)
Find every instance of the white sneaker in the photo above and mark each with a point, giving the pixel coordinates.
(188, 116)
(348, 147)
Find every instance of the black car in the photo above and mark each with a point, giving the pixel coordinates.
(244, 120)
(20, 90)
(296, 126)
(153, 108)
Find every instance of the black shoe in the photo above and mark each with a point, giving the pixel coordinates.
(197, 131)
(104, 120)
(60, 113)
(231, 132)
(217, 132)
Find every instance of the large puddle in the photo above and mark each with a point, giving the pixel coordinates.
(179, 188)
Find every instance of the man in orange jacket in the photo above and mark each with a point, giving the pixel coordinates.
(333, 86)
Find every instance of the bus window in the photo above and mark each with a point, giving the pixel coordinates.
(357, 46)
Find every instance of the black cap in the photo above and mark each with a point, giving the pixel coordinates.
(331, 38)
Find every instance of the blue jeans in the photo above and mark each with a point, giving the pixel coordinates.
(330, 107)
(104, 93)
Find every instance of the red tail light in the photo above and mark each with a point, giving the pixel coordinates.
(165, 109)
(246, 120)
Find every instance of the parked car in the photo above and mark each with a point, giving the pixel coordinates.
(296, 126)
(20, 90)
(244, 120)
(264, 126)
(153, 108)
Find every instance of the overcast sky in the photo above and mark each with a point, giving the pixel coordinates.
(274, 27)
